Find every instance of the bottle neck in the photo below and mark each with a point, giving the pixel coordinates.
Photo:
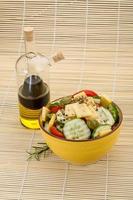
(56, 58)
(30, 46)
(51, 61)
(29, 39)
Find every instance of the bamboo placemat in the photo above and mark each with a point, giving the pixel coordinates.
(97, 40)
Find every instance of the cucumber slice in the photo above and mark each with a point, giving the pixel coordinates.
(76, 129)
(112, 108)
(105, 117)
(101, 131)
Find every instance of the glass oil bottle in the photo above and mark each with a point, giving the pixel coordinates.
(32, 70)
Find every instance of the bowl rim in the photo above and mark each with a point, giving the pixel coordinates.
(87, 140)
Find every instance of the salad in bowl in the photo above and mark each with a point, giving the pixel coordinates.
(81, 116)
(84, 120)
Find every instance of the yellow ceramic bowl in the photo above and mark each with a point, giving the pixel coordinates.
(82, 152)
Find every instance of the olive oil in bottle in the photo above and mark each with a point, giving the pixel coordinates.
(33, 81)
(33, 95)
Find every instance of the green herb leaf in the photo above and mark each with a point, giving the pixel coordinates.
(57, 103)
(37, 151)
(65, 100)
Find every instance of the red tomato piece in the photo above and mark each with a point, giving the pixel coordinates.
(54, 131)
(54, 109)
(90, 93)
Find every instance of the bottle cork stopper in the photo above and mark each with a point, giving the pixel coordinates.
(28, 33)
(58, 56)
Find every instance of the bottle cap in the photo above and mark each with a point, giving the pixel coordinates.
(58, 56)
(28, 33)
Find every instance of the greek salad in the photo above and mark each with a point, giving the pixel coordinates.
(84, 115)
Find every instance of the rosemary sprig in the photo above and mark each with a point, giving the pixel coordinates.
(38, 151)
